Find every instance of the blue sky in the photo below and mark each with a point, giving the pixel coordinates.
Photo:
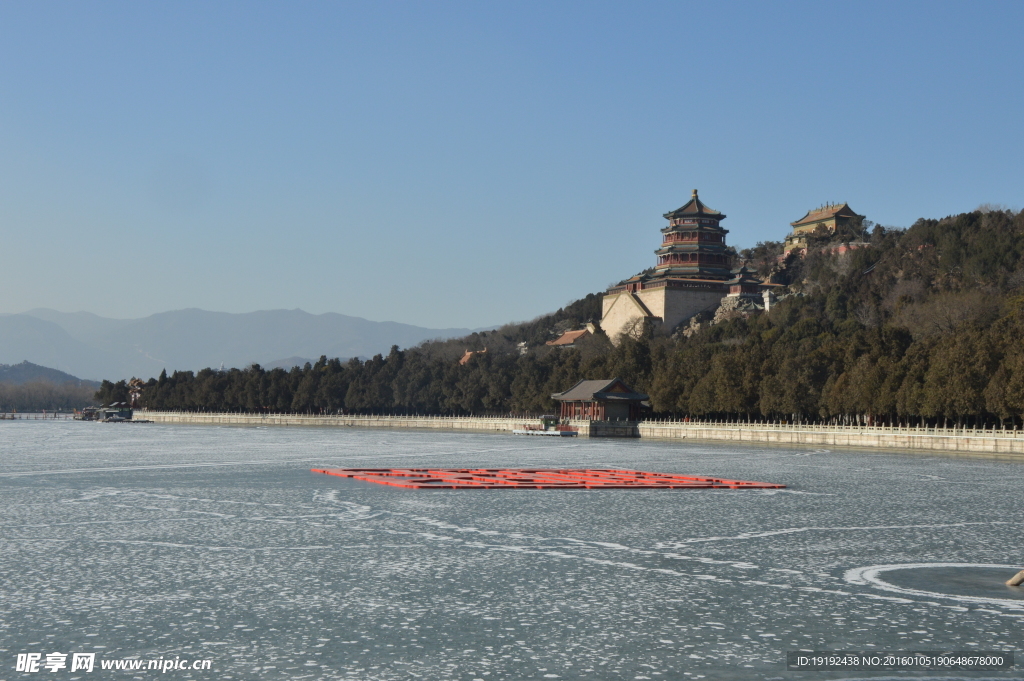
(468, 164)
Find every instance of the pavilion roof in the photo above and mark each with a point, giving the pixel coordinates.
(826, 212)
(695, 207)
(589, 391)
(744, 275)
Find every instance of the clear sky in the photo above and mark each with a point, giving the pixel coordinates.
(469, 163)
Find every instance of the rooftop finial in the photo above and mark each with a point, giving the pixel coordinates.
(694, 193)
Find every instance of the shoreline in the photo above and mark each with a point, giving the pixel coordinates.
(999, 444)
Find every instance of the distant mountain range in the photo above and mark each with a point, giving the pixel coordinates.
(94, 347)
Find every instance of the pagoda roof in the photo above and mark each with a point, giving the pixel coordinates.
(692, 247)
(689, 279)
(694, 208)
(825, 212)
(693, 275)
(660, 272)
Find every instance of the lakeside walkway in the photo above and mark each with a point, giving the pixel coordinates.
(1002, 444)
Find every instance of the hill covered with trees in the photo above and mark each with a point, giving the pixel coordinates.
(27, 372)
(923, 323)
(30, 387)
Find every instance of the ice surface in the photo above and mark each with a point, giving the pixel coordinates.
(152, 540)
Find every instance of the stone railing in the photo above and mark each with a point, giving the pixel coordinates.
(823, 427)
(1000, 442)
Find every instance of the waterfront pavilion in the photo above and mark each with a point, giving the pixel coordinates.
(601, 400)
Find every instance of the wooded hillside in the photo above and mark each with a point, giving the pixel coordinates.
(926, 323)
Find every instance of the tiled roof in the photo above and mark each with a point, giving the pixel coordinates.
(588, 391)
(569, 337)
(824, 213)
(744, 275)
(694, 207)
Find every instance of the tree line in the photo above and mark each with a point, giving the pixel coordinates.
(44, 395)
(924, 325)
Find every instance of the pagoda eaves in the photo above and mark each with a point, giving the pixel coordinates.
(694, 208)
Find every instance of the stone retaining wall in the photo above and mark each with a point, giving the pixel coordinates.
(1006, 444)
(473, 423)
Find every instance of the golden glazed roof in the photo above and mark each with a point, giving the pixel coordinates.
(826, 212)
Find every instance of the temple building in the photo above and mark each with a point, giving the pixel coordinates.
(693, 268)
(830, 216)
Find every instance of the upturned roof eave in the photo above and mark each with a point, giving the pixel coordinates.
(694, 228)
(585, 393)
(838, 212)
(699, 209)
(694, 280)
(692, 246)
(702, 211)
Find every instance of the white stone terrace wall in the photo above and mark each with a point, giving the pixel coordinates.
(473, 423)
(1004, 444)
(1007, 444)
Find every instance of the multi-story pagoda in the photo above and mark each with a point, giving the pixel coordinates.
(690, 276)
(694, 243)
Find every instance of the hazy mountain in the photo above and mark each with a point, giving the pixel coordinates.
(26, 338)
(27, 372)
(84, 326)
(97, 347)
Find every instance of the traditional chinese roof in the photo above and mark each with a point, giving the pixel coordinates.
(706, 249)
(569, 337)
(695, 208)
(825, 213)
(744, 275)
(604, 390)
(669, 276)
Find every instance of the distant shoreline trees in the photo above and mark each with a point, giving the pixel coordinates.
(925, 325)
(44, 395)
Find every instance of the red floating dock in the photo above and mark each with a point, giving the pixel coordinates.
(536, 478)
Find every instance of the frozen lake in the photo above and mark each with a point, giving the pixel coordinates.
(206, 542)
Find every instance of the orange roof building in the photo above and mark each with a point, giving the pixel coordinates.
(569, 338)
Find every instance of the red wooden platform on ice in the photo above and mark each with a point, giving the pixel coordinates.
(535, 478)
